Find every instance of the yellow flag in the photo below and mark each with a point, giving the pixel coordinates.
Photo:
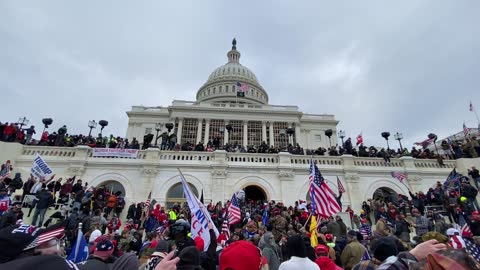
(313, 232)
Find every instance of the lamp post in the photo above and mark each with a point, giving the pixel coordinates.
(46, 122)
(23, 121)
(282, 133)
(329, 134)
(341, 135)
(385, 135)
(91, 124)
(399, 137)
(158, 127)
(103, 124)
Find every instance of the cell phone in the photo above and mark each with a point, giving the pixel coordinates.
(175, 253)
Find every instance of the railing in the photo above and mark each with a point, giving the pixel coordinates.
(377, 162)
(252, 158)
(431, 163)
(235, 158)
(49, 151)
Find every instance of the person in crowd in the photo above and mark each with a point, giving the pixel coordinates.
(297, 252)
(12, 216)
(353, 252)
(44, 199)
(270, 250)
(421, 223)
(101, 257)
(323, 260)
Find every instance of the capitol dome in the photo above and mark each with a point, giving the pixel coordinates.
(224, 82)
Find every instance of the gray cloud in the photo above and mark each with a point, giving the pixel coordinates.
(409, 67)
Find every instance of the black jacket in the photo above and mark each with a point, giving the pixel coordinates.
(45, 199)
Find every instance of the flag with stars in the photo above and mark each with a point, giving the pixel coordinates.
(473, 249)
(234, 214)
(324, 202)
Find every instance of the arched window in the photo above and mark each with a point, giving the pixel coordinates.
(175, 194)
(112, 186)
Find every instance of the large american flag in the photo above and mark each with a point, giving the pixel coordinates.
(466, 131)
(233, 209)
(424, 143)
(473, 249)
(323, 200)
(341, 188)
(226, 229)
(242, 87)
(399, 175)
(147, 204)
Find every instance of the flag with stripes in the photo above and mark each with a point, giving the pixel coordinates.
(233, 209)
(466, 131)
(50, 234)
(226, 229)
(424, 143)
(242, 87)
(323, 200)
(399, 175)
(456, 242)
(341, 188)
(466, 230)
(147, 204)
(359, 138)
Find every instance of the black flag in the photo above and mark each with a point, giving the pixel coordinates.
(240, 94)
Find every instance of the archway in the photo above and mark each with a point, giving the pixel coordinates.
(386, 194)
(255, 193)
(113, 186)
(175, 194)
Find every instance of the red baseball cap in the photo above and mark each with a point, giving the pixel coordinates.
(321, 249)
(240, 255)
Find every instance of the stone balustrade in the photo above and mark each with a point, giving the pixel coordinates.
(237, 159)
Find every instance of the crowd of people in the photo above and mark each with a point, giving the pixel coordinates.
(12, 132)
(439, 228)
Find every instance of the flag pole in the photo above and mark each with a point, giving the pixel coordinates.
(77, 245)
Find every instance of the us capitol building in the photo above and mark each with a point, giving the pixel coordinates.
(280, 177)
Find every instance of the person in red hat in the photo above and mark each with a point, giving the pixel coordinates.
(323, 261)
(240, 255)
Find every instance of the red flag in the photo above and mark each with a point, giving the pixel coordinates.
(341, 189)
(359, 139)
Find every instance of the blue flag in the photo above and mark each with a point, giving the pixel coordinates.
(366, 256)
(79, 251)
(265, 217)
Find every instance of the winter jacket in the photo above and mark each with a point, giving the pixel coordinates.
(352, 254)
(45, 199)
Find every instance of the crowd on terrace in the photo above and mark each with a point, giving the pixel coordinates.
(13, 132)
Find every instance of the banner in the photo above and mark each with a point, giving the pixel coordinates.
(115, 152)
(200, 215)
(40, 168)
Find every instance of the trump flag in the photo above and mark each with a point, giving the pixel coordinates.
(200, 215)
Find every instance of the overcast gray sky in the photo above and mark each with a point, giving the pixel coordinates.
(377, 65)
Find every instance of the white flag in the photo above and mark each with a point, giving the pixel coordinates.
(200, 215)
(40, 168)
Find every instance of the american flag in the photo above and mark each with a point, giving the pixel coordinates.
(323, 200)
(341, 188)
(424, 143)
(233, 211)
(471, 106)
(366, 231)
(147, 204)
(466, 131)
(226, 229)
(47, 236)
(242, 87)
(399, 175)
(473, 249)
(466, 229)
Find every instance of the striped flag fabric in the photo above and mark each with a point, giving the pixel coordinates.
(234, 214)
(226, 229)
(341, 188)
(466, 131)
(147, 204)
(323, 200)
(399, 175)
(424, 143)
(456, 242)
(242, 87)
(466, 230)
(50, 234)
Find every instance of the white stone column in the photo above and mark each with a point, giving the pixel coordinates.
(225, 133)
(245, 133)
(264, 131)
(207, 131)
(179, 130)
(199, 130)
(298, 135)
(272, 141)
